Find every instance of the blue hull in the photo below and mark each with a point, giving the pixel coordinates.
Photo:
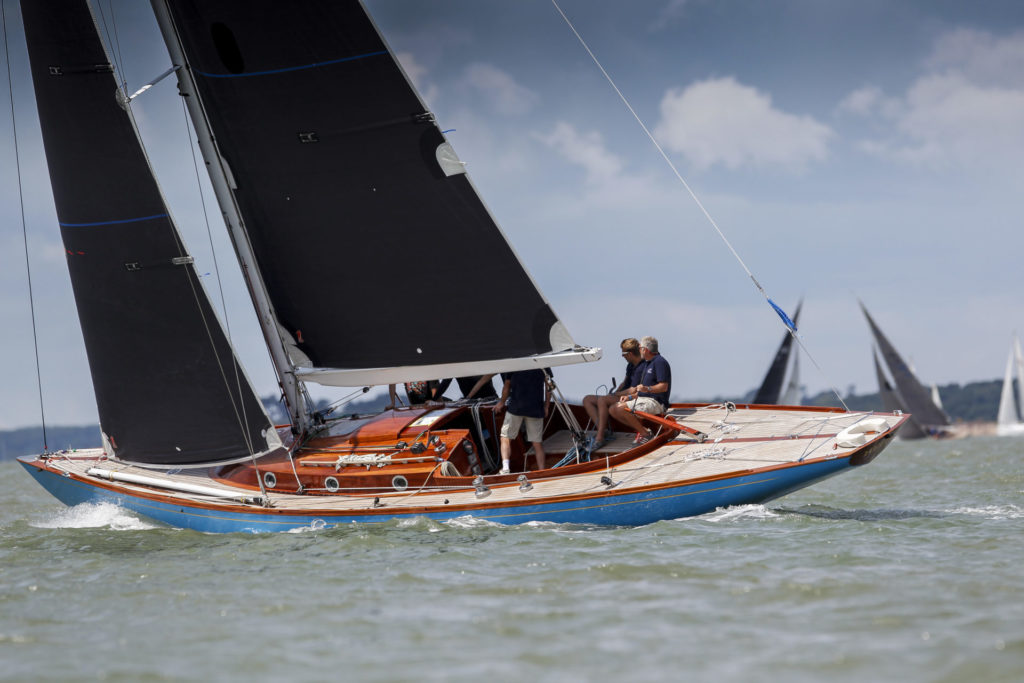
(607, 508)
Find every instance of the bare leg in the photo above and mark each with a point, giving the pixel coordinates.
(620, 412)
(506, 452)
(603, 405)
(592, 404)
(538, 451)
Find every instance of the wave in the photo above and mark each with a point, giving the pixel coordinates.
(95, 516)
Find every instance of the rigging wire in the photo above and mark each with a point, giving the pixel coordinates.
(115, 43)
(778, 310)
(24, 228)
(237, 400)
(216, 268)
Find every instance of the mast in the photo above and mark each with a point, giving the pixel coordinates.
(223, 184)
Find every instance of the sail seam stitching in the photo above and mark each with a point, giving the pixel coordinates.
(119, 222)
(314, 65)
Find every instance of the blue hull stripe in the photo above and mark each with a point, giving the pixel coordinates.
(626, 509)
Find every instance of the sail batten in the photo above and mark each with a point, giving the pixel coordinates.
(168, 387)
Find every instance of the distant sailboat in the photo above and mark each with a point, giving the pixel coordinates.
(906, 392)
(1009, 420)
(774, 389)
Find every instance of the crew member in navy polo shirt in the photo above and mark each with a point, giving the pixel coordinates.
(650, 394)
(597, 406)
(527, 397)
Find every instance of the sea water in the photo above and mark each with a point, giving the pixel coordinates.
(909, 569)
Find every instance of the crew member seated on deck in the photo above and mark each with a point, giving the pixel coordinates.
(597, 406)
(650, 394)
(527, 396)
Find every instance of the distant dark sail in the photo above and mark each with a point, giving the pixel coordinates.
(892, 402)
(373, 245)
(168, 387)
(772, 386)
(915, 398)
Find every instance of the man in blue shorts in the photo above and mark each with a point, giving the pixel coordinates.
(650, 394)
(527, 396)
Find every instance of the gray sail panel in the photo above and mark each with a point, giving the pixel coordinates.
(893, 402)
(373, 245)
(771, 389)
(917, 400)
(168, 387)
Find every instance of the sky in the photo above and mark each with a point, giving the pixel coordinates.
(848, 150)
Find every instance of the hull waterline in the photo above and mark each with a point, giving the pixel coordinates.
(629, 509)
(599, 498)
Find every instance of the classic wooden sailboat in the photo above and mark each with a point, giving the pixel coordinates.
(1010, 418)
(906, 393)
(327, 166)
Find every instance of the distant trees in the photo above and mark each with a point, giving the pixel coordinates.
(975, 401)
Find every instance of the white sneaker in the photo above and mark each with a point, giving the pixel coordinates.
(505, 470)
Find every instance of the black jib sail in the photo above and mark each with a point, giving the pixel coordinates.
(771, 388)
(373, 246)
(168, 387)
(915, 398)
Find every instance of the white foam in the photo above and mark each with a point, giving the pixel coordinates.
(992, 511)
(95, 516)
(730, 514)
(471, 522)
(315, 525)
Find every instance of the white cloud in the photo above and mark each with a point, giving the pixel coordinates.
(721, 121)
(965, 111)
(668, 15)
(500, 90)
(586, 150)
(948, 119)
(417, 73)
(981, 57)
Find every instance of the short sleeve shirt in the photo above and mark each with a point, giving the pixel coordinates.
(655, 371)
(466, 385)
(628, 379)
(526, 392)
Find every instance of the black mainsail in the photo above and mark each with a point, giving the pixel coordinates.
(914, 398)
(373, 246)
(771, 389)
(168, 387)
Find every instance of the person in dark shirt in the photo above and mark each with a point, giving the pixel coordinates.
(477, 386)
(597, 406)
(527, 396)
(650, 394)
(420, 393)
